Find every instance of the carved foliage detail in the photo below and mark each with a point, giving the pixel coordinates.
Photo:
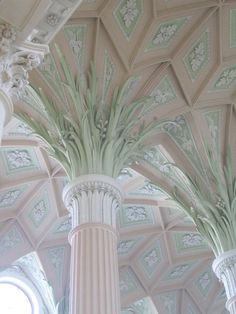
(14, 62)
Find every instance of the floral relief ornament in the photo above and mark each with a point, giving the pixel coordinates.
(19, 159)
(136, 213)
(129, 12)
(152, 258)
(197, 56)
(191, 239)
(14, 63)
(204, 280)
(14, 71)
(125, 246)
(165, 33)
(226, 78)
(9, 198)
(39, 211)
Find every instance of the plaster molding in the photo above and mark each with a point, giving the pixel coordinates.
(93, 199)
(16, 60)
(6, 110)
(224, 266)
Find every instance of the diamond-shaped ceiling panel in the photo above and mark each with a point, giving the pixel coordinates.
(127, 14)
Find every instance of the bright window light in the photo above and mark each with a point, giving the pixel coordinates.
(16, 297)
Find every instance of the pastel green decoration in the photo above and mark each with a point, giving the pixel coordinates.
(87, 135)
(211, 203)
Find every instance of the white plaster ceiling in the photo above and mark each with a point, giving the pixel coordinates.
(184, 53)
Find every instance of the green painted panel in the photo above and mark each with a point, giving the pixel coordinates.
(185, 242)
(40, 210)
(226, 79)
(205, 282)
(233, 28)
(164, 93)
(76, 36)
(127, 15)
(151, 258)
(18, 160)
(133, 215)
(166, 32)
(197, 57)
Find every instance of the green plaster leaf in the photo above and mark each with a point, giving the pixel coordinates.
(211, 203)
(109, 70)
(50, 73)
(181, 133)
(87, 135)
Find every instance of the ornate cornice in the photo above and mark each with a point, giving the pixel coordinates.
(93, 199)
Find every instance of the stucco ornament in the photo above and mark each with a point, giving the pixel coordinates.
(9, 198)
(191, 240)
(14, 71)
(15, 62)
(152, 258)
(165, 33)
(136, 213)
(129, 12)
(92, 137)
(19, 159)
(211, 203)
(197, 56)
(7, 37)
(226, 78)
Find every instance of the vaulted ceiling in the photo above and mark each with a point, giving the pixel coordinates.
(181, 52)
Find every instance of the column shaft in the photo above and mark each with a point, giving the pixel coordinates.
(93, 201)
(6, 110)
(94, 271)
(224, 267)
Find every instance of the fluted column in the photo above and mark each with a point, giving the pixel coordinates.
(6, 111)
(93, 201)
(224, 266)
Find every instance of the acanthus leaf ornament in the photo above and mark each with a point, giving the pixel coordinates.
(102, 196)
(15, 62)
